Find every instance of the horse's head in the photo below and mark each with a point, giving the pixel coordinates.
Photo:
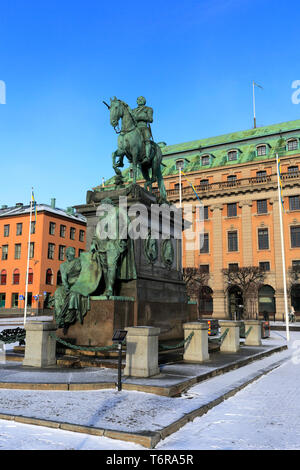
(116, 111)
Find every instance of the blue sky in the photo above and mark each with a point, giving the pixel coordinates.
(194, 61)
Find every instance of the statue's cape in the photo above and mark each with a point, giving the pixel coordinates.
(90, 275)
(126, 269)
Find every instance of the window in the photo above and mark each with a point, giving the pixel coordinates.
(179, 164)
(3, 277)
(232, 155)
(6, 230)
(4, 252)
(295, 237)
(294, 203)
(205, 160)
(32, 229)
(296, 265)
(58, 279)
(72, 233)
(292, 144)
(19, 229)
(14, 300)
(263, 239)
(204, 184)
(29, 299)
(31, 250)
(233, 266)
(264, 265)
(61, 252)
(293, 170)
(205, 212)
(62, 231)
(204, 243)
(51, 248)
(262, 206)
(231, 179)
(81, 235)
(233, 241)
(2, 300)
(52, 228)
(204, 268)
(30, 276)
(16, 276)
(17, 250)
(49, 276)
(261, 176)
(80, 251)
(232, 210)
(177, 186)
(261, 150)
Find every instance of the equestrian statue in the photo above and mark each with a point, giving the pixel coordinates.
(135, 142)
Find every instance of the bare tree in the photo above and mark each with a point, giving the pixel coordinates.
(248, 279)
(195, 279)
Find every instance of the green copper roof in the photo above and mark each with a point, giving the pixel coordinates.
(245, 142)
(217, 147)
(233, 137)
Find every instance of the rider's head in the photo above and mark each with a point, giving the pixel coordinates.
(141, 100)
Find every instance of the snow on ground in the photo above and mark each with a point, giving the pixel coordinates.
(265, 415)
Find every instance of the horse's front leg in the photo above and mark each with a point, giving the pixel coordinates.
(118, 163)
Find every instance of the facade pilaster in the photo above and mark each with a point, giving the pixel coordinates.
(247, 233)
(219, 297)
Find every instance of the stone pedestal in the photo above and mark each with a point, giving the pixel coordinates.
(158, 292)
(142, 351)
(40, 349)
(100, 322)
(231, 342)
(196, 349)
(254, 336)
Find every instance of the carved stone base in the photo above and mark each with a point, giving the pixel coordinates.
(106, 316)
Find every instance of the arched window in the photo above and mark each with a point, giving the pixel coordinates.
(3, 277)
(49, 276)
(205, 160)
(266, 300)
(232, 155)
(179, 164)
(30, 276)
(16, 276)
(261, 150)
(292, 144)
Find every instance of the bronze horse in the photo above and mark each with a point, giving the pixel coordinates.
(131, 145)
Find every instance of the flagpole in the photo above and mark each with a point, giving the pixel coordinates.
(282, 253)
(254, 113)
(180, 193)
(28, 256)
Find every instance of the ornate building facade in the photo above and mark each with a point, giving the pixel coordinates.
(235, 176)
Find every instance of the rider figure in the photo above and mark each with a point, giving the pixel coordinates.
(144, 115)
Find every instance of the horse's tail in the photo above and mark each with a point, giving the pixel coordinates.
(157, 173)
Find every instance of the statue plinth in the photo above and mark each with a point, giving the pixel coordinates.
(157, 297)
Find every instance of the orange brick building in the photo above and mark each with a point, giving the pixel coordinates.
(51, 233)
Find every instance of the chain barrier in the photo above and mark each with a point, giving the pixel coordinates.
(13, 335)
(177, 346)
(248, 331)
(85, 348)
(220, 339)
